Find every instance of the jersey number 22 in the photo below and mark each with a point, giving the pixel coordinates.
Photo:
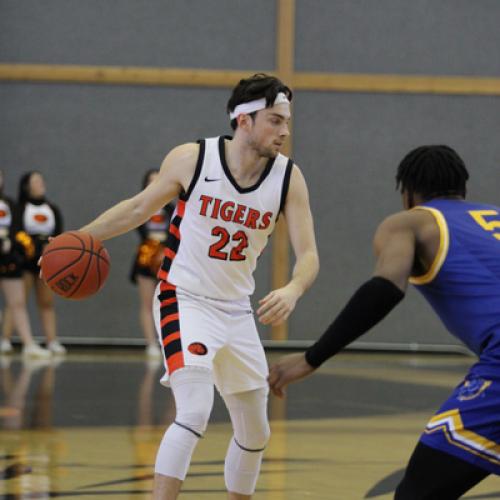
(216, 250)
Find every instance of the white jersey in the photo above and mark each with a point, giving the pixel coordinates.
(39, 219)
(219, 229)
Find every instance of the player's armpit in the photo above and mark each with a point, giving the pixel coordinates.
(178, 168)
(394, 246)
(175, 176)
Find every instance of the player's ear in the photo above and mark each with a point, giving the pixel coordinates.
(244, 121)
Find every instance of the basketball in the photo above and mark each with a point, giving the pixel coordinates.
(75, 265)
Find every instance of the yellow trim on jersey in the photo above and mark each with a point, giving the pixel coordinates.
(450, 422)
(444, 242)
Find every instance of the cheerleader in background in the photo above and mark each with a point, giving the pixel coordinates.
(40, 219)
(14, 246)
(147, 261)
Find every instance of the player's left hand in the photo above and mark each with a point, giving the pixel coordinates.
(277, 305)
(288, 369)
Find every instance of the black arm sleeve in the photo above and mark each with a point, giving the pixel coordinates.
(369, 305)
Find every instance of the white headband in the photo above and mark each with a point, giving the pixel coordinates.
(252, 106)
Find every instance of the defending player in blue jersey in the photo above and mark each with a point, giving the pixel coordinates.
(450, 250)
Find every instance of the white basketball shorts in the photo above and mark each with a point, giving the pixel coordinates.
(216, 334)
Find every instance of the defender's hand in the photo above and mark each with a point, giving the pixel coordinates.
(288, 369)
(277, 305)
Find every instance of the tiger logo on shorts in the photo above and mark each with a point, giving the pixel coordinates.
(197, 348)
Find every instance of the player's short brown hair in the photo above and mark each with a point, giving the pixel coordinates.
(256, 87)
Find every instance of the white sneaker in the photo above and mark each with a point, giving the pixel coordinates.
(153, 351)
(35, 351)
(5, 346)
(55, 347)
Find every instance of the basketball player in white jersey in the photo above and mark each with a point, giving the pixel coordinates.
(231, 192)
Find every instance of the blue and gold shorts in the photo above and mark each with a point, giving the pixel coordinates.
(467, 426)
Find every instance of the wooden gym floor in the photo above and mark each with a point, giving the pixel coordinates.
(88, 426)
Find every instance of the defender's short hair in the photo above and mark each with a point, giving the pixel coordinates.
(432, 171)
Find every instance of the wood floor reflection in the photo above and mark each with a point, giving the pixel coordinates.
(88, 426)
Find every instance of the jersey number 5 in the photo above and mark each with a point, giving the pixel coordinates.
(215, 250)
(492, 225)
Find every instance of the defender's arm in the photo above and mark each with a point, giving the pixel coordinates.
(394, 245)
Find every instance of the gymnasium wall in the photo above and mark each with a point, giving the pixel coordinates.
(93, 142)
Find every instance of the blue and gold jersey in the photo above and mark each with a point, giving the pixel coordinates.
(463, 283)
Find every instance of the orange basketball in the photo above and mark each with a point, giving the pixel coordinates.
(75, 265)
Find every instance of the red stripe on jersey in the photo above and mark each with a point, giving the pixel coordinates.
(181, 207)
(167, 302)
(163, 275)
(168, 252)
(171, 338)
(175, 231)
(165, 286)
(169, 319)
(175, 362)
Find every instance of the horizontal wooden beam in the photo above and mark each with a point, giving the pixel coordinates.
(335, 82)
(121, 75)
(406, 84)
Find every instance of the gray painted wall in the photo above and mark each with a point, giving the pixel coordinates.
(443, 37)
(220, 34)
(349, 146)
(94, 142)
